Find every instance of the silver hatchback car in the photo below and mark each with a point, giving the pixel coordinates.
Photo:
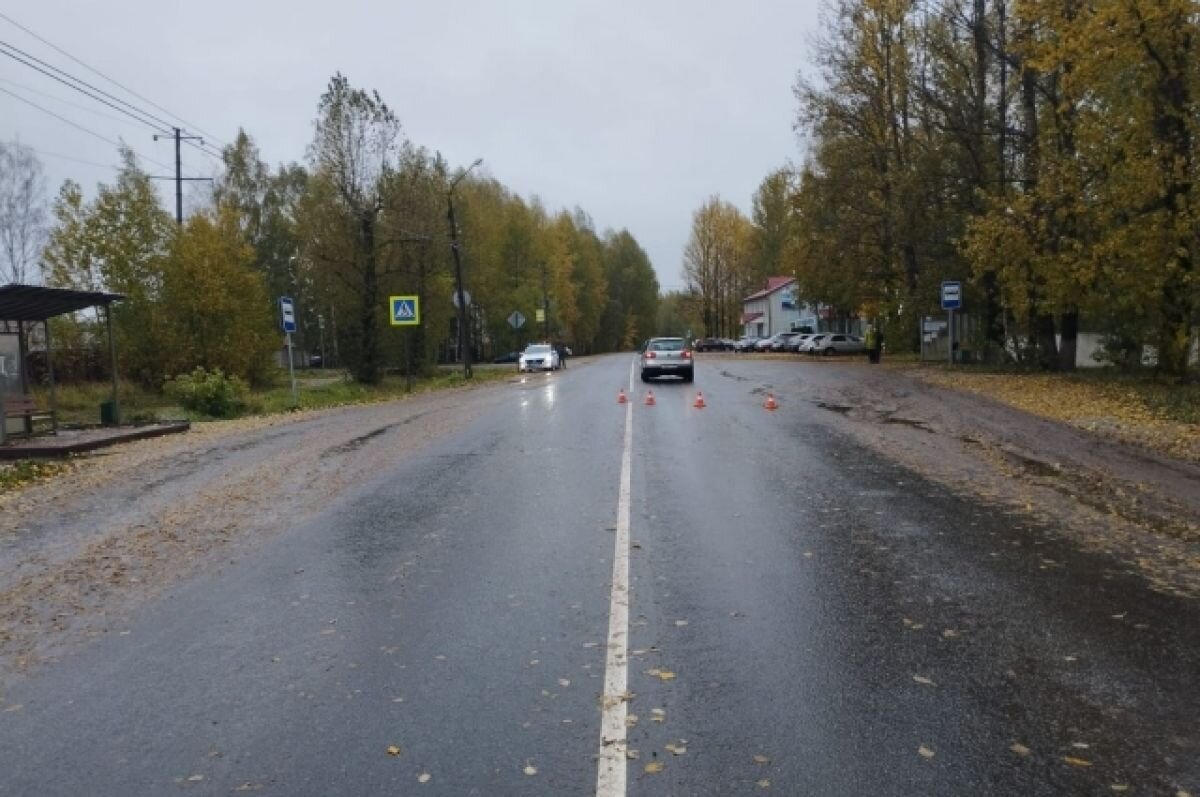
(667, 357)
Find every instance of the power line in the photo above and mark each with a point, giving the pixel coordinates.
(68, 103)
(78, 126)
(95, 71)
(136, 113)
(60, 156)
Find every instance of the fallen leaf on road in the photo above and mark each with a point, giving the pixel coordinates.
(1080, 745)
(666, 675)
(1120, 787)
(658, 715)
(921, 679)
(1019, 748)
(761, 759)
(925, 752)
(654, 767)
(424, 777)
(591, 644)
(632, 755)
(631, 720)
(14, 707)
(763, 784)
(195, 779)
(248, 786)
(563, 682)
(680, 623)
(1077, 762)
(675, 749)
(949, 633)
(530, 770)
(393, 750)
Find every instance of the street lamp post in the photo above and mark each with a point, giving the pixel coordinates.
(464, 343)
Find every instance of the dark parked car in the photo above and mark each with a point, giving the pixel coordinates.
(510, 357)
(711, 344)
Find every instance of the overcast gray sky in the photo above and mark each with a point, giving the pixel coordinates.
(635, 111)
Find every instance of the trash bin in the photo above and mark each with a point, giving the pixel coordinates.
(108, 413)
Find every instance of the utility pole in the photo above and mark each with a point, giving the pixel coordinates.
(179, 178)
(464, 339)
(545, 302)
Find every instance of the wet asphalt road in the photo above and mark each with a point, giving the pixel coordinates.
(858, 629)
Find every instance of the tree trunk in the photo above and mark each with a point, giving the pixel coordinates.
(1044, 341)
(1070, 334)
(368, 371)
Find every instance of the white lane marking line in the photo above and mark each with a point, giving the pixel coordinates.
(611, 764)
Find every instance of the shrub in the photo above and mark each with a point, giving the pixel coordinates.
(210, 393)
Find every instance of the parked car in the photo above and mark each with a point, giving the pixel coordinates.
(510, 357)
(667, 357)
(783, 339)
(807, 346)
(745, 344)
(709, 344)
(839, 344)
(728, 343)
(796, 343)
(765, 344)
(538, 357)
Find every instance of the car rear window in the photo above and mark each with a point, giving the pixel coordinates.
(538, 350)
(666, 345)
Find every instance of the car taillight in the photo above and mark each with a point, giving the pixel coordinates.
(650, 355)
(687, 355)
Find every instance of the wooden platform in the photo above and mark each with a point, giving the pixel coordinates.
(78, 441)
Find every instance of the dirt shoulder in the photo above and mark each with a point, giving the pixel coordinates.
(1078, 478)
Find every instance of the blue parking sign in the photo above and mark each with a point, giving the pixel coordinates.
(405, 311)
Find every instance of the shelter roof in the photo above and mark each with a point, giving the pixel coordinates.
(36, 303)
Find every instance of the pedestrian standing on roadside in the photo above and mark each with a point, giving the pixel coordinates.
(869, 344)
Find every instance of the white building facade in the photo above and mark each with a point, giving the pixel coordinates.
(776, 309)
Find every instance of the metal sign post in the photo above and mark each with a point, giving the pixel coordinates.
(951, 301)
(287, 322)
(405, 311)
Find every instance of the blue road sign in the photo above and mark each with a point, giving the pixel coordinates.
(405, 311)
(951, 295)
(287, 314)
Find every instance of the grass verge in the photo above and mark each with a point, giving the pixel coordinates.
(1134, 408)
(80, 403)
(23, 472)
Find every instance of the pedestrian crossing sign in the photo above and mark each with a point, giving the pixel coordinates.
(405, 310)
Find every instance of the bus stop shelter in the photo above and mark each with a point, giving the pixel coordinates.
(22, 309)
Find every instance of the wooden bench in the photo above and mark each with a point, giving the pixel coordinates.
(23, 405)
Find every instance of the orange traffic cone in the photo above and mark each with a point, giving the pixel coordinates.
(621, 399)
(771, 403)
(650, 402)
(699, 403)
